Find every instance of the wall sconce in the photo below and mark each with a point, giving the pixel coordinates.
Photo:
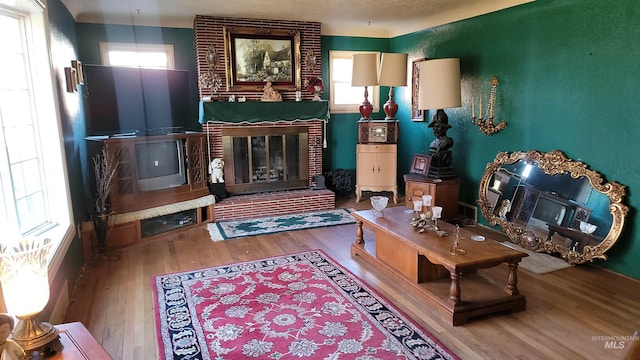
(365, 73)
(393, 72)
(310, 60)
(24, 274)
(487, 127)
(209, 78)
(77, 65)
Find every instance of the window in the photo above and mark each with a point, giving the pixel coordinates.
(158, 56)
(35, 193)
(344, 97)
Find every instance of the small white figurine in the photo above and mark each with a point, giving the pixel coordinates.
(232, 98)
(505, 207)
(9, 349)
(216, 169)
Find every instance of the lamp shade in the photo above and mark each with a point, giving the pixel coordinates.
(393, 70)
(365, 69)
(25, 278)
(439, 84)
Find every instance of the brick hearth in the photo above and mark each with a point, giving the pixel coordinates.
(271, 204)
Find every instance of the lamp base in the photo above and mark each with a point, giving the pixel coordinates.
(390, 108)
(33, 335)
(365, 110)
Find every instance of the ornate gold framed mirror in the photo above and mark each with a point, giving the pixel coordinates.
(550, 203)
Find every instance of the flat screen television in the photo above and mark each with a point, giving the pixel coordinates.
(160, 164)
(122, 100)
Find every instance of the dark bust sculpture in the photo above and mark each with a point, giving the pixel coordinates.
(441, 158)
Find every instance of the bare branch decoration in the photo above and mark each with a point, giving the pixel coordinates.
(105, 166)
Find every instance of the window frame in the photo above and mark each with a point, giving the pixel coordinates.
(48, 129)
(167, 49)
(374, 91)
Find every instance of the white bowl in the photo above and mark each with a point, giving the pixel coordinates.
(379, 203)
(587, 228)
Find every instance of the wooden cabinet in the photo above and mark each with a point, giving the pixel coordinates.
(444, 192)
(126, 192)
(376, 169)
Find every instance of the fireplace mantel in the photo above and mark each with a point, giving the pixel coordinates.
(258, 111)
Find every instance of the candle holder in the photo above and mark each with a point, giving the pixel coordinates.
(426, 202)
(436, 214)
(487, 127)
(456, 242)
(427, 220)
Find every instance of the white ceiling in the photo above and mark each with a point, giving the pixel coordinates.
(368, 18)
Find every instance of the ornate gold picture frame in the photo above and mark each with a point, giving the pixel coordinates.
(416, 114)
(257, 55)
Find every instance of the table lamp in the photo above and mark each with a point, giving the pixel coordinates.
(393, 72)
(24, 274)
(365, 73)
(439, 86)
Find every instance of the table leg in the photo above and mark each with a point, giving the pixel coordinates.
(359, 233)
(512, 279)
(454, 289)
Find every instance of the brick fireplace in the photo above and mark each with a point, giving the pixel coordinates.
(209, 34)
(273, 203)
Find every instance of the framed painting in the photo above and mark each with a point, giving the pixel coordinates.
(416, 114)
(257, 55)
(420, 164)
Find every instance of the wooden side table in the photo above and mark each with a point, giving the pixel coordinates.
(78, 344)
(445, 193)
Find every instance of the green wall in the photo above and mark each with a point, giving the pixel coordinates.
(568, 81)
(342, 130)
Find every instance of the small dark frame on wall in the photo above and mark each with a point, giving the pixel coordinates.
(416, 114)
(420, 164)
(257, 55)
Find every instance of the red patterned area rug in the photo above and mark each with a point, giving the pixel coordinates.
(298, 306)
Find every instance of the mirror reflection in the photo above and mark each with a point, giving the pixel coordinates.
(548, 202)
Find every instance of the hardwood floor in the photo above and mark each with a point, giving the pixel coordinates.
(565, 309)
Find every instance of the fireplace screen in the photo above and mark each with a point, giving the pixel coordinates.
(265, 158)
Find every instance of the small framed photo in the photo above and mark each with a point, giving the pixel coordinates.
(420, 164)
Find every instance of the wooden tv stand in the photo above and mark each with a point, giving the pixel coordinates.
(424, 261)
(125, 195)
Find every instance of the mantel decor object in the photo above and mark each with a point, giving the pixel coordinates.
(487, 127)
(314, 85)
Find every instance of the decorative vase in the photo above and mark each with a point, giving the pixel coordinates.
(316, 93)
(101, 225)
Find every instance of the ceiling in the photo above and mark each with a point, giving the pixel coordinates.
(368, 18)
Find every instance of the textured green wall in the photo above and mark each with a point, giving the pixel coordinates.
(342, 130)
(568, 81)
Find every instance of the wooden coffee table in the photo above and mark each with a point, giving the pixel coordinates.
(425, 262)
